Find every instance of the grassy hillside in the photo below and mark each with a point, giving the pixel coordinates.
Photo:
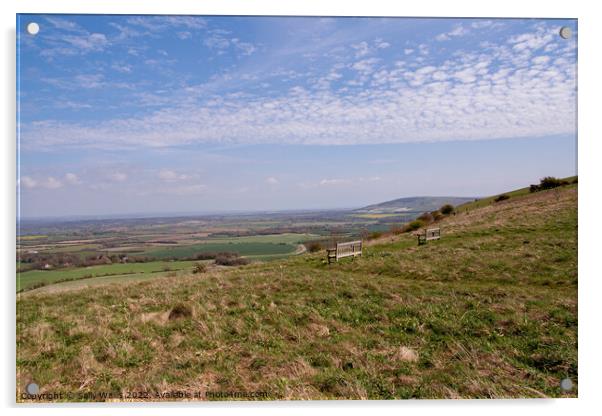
(490, 310)
(483, 202)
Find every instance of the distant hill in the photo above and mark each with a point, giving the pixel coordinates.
(414, 204)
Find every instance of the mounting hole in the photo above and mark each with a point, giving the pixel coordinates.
(33, 28)
(32, 388)
(566, 384)
(566, 32)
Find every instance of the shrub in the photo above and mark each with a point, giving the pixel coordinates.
(199, 268)
(427, 218)
(550, 182)
(230, 259)
(436, 215)
(446, 209)
(574, 180)
(205, 256)
(414, 225)
(313, 247)
(501, 197)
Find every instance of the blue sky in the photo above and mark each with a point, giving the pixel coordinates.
(149, 114)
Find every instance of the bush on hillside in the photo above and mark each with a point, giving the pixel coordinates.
(436, 215)
(446, 209)
(501, 197)
(230, 259)
(199, 268)
(313, 247)
(205, 256)
(426, 218)
(414, 225)
(549, 182)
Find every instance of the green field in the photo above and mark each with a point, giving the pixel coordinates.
(488, 311)
(259, 247)
(34, 278)
(287, 238)
(244, 249)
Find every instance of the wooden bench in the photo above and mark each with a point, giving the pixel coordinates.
(429, 234)
(351, 248)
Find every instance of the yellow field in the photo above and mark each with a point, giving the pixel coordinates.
(376, 216)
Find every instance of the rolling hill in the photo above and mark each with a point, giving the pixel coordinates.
(416, 204)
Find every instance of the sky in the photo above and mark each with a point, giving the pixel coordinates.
(124, 114)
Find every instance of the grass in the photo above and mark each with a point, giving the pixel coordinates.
(483, 202)
(36, 278)
(488, 311)
(244, 249)
(76, 284)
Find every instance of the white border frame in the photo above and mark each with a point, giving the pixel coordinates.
(590, 28)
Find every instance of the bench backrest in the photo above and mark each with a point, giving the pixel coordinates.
(433, 233)
(350, 248)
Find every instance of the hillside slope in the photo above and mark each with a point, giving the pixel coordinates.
(490, 310)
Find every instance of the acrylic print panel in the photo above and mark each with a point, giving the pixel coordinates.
(283, 208)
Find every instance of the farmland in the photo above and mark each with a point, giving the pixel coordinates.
(51, 252)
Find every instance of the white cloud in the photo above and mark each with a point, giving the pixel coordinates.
(122, 68)
(163, 23)
(466, 75)
(171, 176)
(247, 48)
(531, 41)
(216, 42)
(272, 181)
(495, 92)
(365, 66)
(28, 182)
(51, 183)
(361, 49)
(72, 179)
(118, 176)
(167, 175)
(540, 60)
(334, 181)
(382, 45)
(457, 31)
